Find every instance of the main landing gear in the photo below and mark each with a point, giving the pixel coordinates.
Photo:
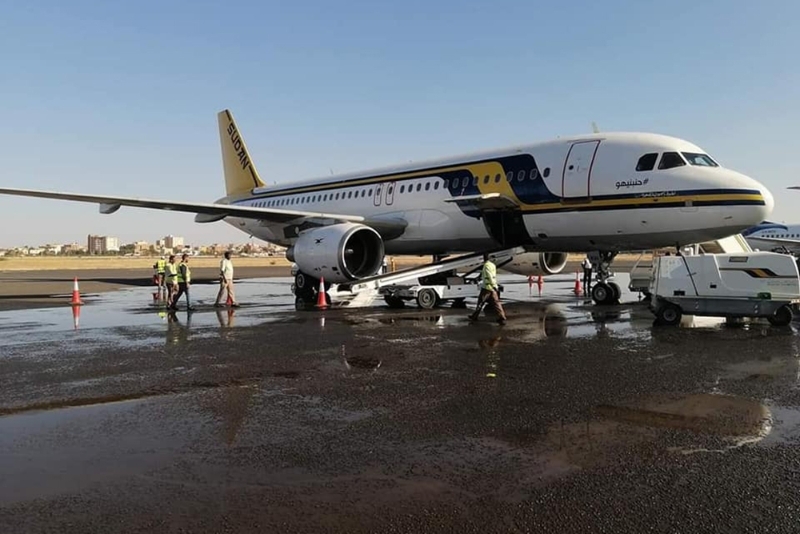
(604, 292)
(306, 289)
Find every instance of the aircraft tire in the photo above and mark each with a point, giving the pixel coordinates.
(617, 291)
(602, 294)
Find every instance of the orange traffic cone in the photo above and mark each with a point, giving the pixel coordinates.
(322, 302)
(578, 289)
(540, 283)
(76, 295)
(76, 316)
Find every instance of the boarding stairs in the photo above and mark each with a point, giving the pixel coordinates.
(363, 292)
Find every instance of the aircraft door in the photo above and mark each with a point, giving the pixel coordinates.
(577, 173)
(390, 193)
(378, 193)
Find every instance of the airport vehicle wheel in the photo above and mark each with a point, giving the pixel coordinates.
(394, 302)
(602, 294)
(783, 317)
(668, 314)
(616, 290)
(300, 304)
(427, 298)
(460, 303)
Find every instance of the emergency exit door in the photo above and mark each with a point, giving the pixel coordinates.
(577, 175)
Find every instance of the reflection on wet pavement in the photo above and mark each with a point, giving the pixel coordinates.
(373, 414)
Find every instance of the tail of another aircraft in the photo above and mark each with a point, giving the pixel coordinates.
(240, 173)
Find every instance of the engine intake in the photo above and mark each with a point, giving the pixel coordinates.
(537, 263)
(339, 253)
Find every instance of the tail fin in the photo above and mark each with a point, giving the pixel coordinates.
(240, 174)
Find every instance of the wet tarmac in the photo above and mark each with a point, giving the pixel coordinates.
(569, 418)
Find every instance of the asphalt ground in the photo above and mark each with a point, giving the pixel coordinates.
(569, 418)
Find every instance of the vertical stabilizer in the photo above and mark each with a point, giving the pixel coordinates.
(240, 173)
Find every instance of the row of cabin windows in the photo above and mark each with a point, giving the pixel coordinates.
(670, 160)
(363, 193)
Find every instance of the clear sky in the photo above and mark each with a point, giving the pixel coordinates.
(121, 97)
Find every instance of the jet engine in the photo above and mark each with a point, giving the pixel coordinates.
(339, 253)
(537, 263)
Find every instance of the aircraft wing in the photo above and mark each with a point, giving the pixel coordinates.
(211, 212)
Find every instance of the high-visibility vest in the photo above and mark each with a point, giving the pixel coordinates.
(161, 266)
(489, 276)
(172, 272)
(184, 274)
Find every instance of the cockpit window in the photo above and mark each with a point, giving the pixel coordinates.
(647, 162)
(671, 160)
(701, 160)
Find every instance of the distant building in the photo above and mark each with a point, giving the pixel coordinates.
(173, 242)
(101, 244)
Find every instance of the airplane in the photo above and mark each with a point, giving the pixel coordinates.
(599, 194)
(774, 236)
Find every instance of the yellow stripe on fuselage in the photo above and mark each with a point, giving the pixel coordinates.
(493, 168)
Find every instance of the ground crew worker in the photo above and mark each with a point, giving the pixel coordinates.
(160, 267)
(184, 281)
(226, 281)
(587, 274)
(489, 289)
(171, 278)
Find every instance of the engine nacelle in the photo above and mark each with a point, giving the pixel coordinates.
(339, 253)
(537, 263)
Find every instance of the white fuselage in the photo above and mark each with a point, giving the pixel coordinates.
(571, 195)
(769, 236)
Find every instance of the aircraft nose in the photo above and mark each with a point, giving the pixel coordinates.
(769, 202)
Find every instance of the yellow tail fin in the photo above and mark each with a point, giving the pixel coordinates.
(240, 173)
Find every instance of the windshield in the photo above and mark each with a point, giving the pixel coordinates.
(701, 160)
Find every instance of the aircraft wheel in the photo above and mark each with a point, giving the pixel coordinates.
(394, 302)
(616, 290)
(782, 317)
(427, 299)
(668, 314)
(602, 294)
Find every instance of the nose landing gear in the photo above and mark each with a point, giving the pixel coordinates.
(604, 292)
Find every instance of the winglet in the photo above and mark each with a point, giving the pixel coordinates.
(240, 173)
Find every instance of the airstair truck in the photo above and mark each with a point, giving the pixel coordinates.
(735, 285)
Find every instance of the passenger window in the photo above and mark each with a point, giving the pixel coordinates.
(546, 172)
(474, 181)
(520, 176)
(670, 160)
(391, 188)
(534, 174)
(419, 187)
(509, 176)
(465, 182)
(455, 183)
(427, 186)
(486, 179)
(647, 162)
(497, 179)
(369, 192)
(436, 185)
